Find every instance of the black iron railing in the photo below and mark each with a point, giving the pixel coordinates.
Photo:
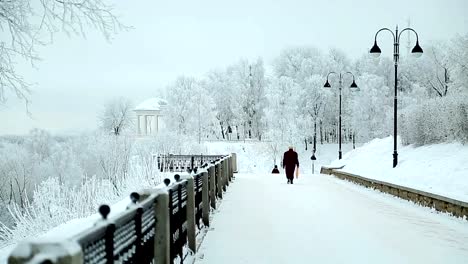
(157, 229)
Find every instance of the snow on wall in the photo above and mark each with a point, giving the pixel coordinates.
(440, 169)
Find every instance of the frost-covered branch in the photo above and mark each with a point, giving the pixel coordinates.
(27, 24)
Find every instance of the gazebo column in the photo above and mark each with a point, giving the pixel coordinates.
(138, 125)
(157, 123)
(145, 126)
(154, 125)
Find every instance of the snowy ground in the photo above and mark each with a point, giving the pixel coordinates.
(321, 219)
(441, 169)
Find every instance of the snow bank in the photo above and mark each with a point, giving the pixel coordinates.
(440, 169)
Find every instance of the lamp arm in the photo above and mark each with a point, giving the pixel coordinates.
(393, 34)
(399, 35)
(351, 74)
(330, 73)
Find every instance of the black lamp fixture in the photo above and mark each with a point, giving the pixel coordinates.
(354, 86)
(417, 51)
(375, 50)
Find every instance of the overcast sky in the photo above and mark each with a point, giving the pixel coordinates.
(170, 38)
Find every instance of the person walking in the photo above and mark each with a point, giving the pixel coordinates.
(290, 161)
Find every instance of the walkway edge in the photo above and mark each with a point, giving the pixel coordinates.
(439, 203)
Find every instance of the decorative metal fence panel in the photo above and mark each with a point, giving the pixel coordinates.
(128, 239)
(148, 231)
(180, 163)
(93, 244)
(198, 185)
(178, 219)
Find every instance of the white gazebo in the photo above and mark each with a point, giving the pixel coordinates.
(149, 116)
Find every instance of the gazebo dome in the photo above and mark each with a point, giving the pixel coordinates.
(152, 104)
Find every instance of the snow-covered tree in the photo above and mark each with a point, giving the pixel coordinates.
(191, 109)
(248, 79)
(312, 102)
(299, 63)
(371, 108)
(458, 56)
(180, 106)
(117, 116)
(281, 114)
(225, 98)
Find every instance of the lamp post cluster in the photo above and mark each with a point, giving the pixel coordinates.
(375, 51)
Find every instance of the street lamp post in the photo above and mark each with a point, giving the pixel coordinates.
(417, 51)
(354, 87)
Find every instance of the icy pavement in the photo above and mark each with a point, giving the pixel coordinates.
(321, 219)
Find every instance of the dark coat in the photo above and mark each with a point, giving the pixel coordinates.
(290, 161)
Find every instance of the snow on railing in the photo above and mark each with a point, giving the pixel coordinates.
(160, 225)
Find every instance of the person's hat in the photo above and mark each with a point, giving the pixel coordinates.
(290, 147)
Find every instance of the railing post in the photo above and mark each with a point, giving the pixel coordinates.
(226, 170)
(223, 173)
(212, 171)
(230, 167)
(191, 231)
(205, 199)
(135, 198)
(162, 239)
(219, 179)
(109, 244)
(234, 162)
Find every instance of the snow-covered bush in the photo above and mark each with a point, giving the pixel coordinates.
(436, 120)
(46, 182)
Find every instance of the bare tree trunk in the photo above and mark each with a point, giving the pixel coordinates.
(315, 135)
(222, 129)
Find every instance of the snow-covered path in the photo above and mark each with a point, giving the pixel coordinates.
(321, 219)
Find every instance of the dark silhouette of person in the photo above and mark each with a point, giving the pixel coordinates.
(290, 161)
(275, 170)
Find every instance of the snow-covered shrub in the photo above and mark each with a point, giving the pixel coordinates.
(82, 173)
(435, 121)
(113, 155)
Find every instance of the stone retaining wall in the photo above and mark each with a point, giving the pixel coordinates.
(439, 203)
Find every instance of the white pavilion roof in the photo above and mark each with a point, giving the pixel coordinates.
(152, 104)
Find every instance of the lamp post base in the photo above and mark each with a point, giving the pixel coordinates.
(340, 154)
(395, 159)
